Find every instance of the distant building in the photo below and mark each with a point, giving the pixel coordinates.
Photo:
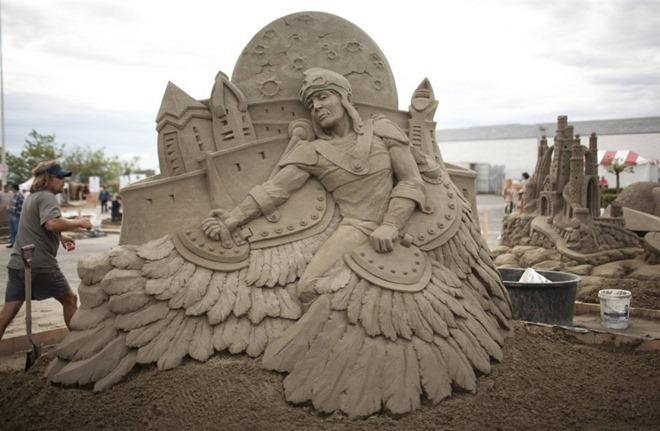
(515, 145)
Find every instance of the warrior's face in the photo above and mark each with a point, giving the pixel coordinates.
(327, 109)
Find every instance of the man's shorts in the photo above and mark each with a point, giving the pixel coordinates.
(45, 284)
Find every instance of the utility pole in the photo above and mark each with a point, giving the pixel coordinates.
(3, 153)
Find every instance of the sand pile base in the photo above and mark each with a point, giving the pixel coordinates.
(547, 381)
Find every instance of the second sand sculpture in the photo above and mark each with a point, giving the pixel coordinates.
(295, 220)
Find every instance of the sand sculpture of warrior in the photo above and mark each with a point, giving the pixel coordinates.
(356, 267)
(358, 162)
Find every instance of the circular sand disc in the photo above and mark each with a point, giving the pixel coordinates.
(272, 64)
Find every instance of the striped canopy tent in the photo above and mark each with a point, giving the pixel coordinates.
(627, 157)
(641, 168)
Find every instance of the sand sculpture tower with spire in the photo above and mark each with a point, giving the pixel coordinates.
(562, 207)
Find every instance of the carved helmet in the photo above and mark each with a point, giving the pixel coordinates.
(317, 79)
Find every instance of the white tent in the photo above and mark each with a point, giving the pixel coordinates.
(643, 168)
(26, 185)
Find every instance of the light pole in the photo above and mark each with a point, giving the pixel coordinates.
(3, 152)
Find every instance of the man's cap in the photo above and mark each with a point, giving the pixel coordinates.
(58, 171)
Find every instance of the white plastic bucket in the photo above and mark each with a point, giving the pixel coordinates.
(614, 305)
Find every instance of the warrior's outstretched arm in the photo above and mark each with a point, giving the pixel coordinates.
(265, 197)
(409, 191)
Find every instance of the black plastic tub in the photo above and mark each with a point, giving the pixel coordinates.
(552, 303)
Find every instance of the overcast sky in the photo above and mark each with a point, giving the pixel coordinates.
(93, 72)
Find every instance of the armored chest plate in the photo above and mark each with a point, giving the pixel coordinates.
(404, 269)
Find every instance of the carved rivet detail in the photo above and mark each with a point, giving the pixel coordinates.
(450, 195)
(417, 262)
(431, 231)
(448, 216)
(278, 230)
(371, 261)
(393, 271)
(290, 227)
(381, 267)
(320, 198)
(452, 205)
(264, 234)
(319, 208)
(414, 270)
(314, 217)
(303, 223)
(441, 225)
(421, 237)
(362, 253)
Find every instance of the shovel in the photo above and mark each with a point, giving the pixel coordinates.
(35, 351)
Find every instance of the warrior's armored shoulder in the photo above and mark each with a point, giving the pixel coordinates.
(303, 153)
(386, 129)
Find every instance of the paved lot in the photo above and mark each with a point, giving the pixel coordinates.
(491, 213)
(48, 314)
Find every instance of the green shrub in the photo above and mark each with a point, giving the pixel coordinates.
(608, 196)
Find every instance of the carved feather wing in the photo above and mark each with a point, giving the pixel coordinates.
(362, 347)
(150, 304)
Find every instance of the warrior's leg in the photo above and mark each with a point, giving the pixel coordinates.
(345, 239)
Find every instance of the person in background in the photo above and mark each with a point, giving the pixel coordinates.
(508, 195)
(521, 193)
(115, 209)
(15, 208)
(5, 201)
(104, 197)
(603, 183)
(42, 224)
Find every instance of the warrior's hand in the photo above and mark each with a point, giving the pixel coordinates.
(382, 239)
(216, 229)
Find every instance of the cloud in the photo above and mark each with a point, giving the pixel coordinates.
(75, 125)
(95, 71)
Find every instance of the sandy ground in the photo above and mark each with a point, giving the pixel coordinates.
(547, 381)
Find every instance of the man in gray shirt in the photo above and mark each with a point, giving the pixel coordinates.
(41, 224)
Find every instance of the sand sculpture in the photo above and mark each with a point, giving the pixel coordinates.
(301, 218)
(562, 205)
(639, 205)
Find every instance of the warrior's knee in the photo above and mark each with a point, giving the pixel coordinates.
(306, 284)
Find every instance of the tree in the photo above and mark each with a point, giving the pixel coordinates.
(617, 167)
(82, 161)
(37, 148)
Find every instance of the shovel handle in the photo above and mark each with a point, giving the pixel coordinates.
(28, 301)
(27, 253)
